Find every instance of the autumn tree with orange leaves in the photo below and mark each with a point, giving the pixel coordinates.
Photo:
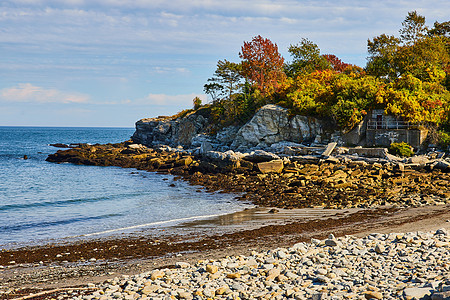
(336, 64)
(262, 64)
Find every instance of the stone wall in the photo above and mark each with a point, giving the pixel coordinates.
(385, 137)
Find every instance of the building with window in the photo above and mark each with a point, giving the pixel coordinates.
(383, 130)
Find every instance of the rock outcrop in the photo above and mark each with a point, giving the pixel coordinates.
(271, 124)
(181, 131)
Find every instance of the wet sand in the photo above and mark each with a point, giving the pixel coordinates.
(32, 269)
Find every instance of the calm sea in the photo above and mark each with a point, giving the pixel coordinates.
(42, 201)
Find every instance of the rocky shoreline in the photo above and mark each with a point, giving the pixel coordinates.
(266, 163)
(286, 181)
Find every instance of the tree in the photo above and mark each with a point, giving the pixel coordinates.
(229, 75)
(382, 52)
(416, 101)
(336, 96)
(197, 103)
(214, 90)
(428, 55)
(262, 64)
(423, 53)
(306, 59)
(440, 29)
(335, 63)
(413, 28)
(226, 80)
(417, 68)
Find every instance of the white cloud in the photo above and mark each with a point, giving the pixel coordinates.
(167, 70)
(26, 92)
(170, 100)
(197, 26)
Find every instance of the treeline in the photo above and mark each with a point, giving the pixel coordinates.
(408, 76)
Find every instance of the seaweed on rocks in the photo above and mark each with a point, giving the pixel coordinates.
(299, 184)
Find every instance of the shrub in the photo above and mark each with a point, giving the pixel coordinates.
(443, 140)
(401, 149)
(197, 103)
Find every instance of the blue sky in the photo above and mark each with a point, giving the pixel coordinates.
(112, 62)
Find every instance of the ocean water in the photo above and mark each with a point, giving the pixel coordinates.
(42, 201)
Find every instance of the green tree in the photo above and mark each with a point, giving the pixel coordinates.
(426, 55)
(440, 29)
(225, 90)
(413, 28)
(214, 90)
(419, 51)
(197, 102)
(229, 74)
(382, 56)
(306, 59)
(227, 80)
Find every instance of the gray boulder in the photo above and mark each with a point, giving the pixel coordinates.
(442, 165)
(258, 156)
(227, 135)
(272, 124)
(150, 130)
(187, 128)
(154, 131)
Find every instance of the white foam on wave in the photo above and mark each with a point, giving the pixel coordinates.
(149, 224)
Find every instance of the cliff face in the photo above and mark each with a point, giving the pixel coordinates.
(270, 125)
(154, 131)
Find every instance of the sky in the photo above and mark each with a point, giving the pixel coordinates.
(110, 63)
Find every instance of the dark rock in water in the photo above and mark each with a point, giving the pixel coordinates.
(59, 145)
(76, 145)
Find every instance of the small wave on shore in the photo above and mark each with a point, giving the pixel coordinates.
(42, 202)
(158, 223)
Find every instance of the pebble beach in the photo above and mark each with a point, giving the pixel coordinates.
(378, 266)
